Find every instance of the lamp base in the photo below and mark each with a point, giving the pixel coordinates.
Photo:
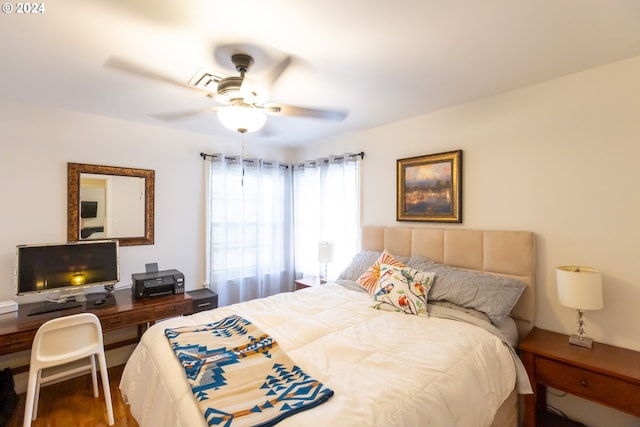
(581, 341)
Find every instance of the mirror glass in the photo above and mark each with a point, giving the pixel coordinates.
(108, 202)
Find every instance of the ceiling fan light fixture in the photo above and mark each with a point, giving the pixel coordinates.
(242, 119)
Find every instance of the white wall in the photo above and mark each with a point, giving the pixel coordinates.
(560, 159)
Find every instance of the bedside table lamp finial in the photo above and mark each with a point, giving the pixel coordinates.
(580, 288)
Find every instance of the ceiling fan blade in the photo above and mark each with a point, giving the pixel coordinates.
(257, 92)
(128, 67)
(277, 71)
(181, 115)
(289, 110)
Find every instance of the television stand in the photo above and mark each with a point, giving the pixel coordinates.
(49, 307)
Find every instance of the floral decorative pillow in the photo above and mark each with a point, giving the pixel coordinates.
(402, 289)
(369, 278)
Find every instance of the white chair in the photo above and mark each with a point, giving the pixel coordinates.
(59, 342)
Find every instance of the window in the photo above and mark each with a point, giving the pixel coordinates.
(258, 212)
(249, 243)
(326, 202)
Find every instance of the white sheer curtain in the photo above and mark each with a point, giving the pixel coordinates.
(249, 240)
(326, 206)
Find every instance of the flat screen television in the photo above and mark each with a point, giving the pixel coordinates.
(67, 268)
(88, 209)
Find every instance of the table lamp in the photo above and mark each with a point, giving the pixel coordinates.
(325, 255)
(579, 288)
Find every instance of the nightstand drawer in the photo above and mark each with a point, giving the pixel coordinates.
(203, 299)
(589, 385)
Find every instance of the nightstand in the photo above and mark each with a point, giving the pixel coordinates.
(307, 282)
(203, 299)
(605, 374)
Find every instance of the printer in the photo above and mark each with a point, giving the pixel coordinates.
(157, 283)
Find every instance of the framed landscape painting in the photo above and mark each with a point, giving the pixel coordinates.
(430, 188)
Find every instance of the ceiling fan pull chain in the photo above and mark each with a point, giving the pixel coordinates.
(242, 159)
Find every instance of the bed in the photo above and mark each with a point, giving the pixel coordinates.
(446, 367)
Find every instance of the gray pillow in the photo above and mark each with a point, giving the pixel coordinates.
(421, 263)
(351, 285)
(470, 311)
(359, 264)
(493, 295)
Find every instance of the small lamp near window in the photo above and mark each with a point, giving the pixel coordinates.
(580, 288)
(325, 256)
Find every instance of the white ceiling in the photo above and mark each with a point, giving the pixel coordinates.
(381, 60)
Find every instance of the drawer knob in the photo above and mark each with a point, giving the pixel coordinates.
(584, 383)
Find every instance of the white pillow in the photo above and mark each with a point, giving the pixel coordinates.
(402, 289)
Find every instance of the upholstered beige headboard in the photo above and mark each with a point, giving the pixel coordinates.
(505, 253)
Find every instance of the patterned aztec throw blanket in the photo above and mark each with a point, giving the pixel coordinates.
(240, 376)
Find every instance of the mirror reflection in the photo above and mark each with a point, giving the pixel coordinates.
(111, 206)
(110, 202)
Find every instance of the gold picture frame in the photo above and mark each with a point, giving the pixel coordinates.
(430, 188)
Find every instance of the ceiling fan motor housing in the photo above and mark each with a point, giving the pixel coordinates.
(229, 87)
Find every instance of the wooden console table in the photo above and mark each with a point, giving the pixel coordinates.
(18, 329)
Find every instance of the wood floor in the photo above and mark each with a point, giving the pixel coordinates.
(71, 403)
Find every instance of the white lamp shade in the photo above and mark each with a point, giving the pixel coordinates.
(325, 252)
(241, 119)
(579, 287)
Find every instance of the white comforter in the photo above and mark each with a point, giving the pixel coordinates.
(386, 369)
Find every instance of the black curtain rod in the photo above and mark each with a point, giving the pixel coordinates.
(204, 155)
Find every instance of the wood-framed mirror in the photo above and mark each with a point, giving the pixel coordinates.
(109, 202)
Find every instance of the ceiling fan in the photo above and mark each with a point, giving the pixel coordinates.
(242, 108)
